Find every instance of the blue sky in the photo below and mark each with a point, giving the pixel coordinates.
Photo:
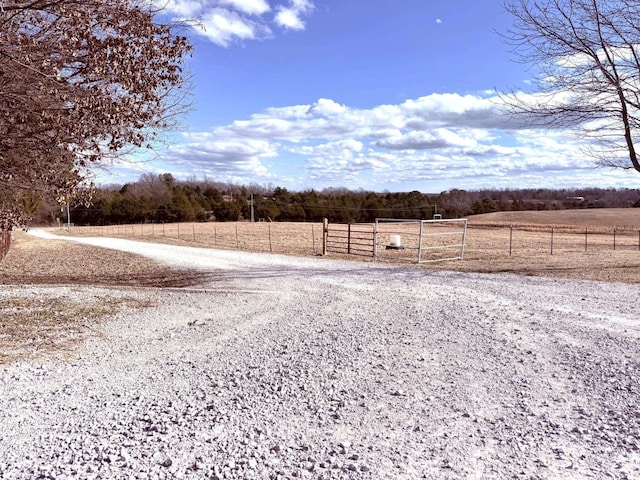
(383, 95)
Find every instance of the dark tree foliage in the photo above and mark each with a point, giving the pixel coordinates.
(164, 199)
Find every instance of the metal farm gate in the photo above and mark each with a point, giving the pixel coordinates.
(349, 239)
(424, 240)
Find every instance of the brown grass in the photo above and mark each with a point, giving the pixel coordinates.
(621, 218)
(36, 261)
(44, 328)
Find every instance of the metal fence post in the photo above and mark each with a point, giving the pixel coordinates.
(375, 240)
(552, 231)
(325, 234)
(420, 243)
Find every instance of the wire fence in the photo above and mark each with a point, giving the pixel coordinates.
(532, 240)
(287, 238)
(484, 241)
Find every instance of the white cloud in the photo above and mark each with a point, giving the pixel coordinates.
(347, 148)
(223, 27)
(423, 141)
(181, 8)
(438, 138)
(287, 18)
(347, 142)
(251, 7)
(225, 22)
(291, 16)
(224, 158)
(326, 107)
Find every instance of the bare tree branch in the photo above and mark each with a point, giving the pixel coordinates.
(587, 54)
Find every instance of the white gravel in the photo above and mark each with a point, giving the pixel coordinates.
(282, 367)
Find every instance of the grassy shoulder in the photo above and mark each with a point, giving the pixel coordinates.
(58, 262)
(52, 327)
(39, 328)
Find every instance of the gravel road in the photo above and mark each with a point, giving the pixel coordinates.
(282, 367)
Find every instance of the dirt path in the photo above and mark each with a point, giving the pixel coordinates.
(279, 367)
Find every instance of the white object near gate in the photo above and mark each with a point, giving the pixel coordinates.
(431, 239)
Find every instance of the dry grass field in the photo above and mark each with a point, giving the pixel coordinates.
(599, 244)
(622, 218)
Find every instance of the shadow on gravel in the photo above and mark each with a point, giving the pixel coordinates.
(164, 280)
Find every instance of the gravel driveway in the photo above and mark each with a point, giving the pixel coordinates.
(282, 367)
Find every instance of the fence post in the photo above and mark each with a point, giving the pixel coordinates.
(510, 239)
(237, 241)
(178, 230)
(215, 236)
(464, 240)
(420, 243)
(614, 239)
(325, 233)
(270, 246)
(375, 240)
(313, 238)
(349, 238)
(193, 226)
(586, 233)
(552, 231)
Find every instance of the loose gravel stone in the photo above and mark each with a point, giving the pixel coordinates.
(312, 369)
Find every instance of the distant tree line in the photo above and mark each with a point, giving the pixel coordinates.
(161, 198)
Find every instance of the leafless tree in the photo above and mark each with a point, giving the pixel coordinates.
(587, 53)
(80, 81)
